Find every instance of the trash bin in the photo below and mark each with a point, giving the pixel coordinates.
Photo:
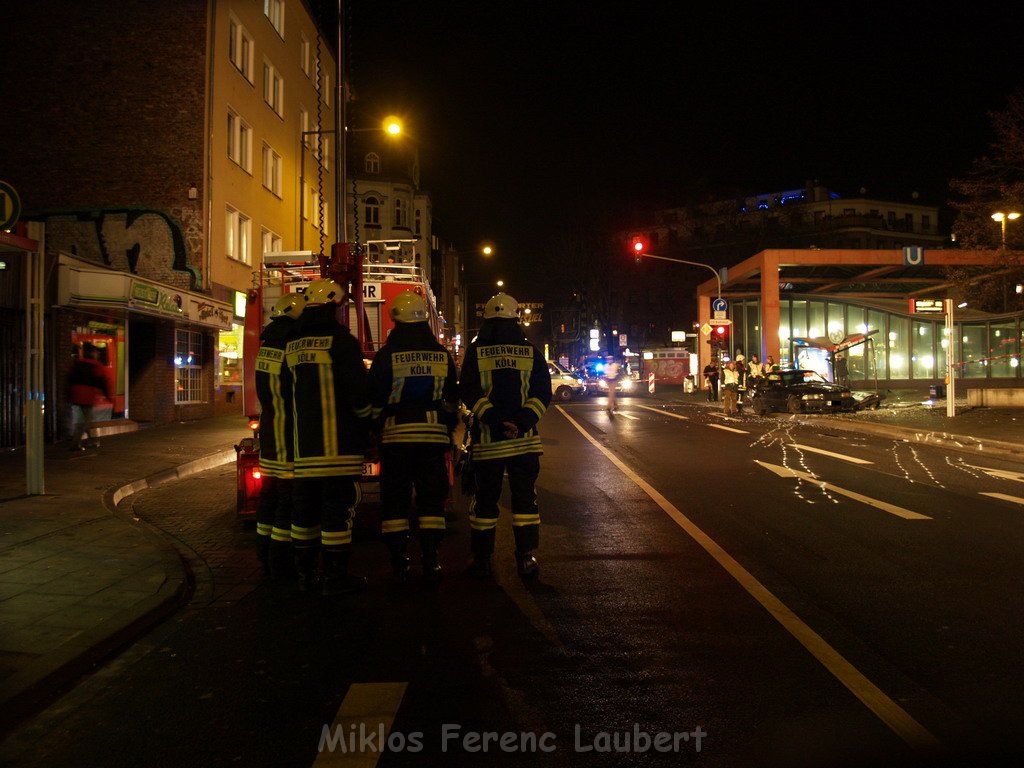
(937, 391)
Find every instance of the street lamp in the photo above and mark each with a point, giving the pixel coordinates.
(1002, 217)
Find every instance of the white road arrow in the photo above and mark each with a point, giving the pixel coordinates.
(885, 506)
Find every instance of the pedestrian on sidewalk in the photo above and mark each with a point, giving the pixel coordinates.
(88, 387)
(332, 420)
(506, 382)
(414, 393)
(277, 423)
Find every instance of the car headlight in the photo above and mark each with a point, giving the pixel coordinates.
(626, 384)
(602, 384)
(814, 396)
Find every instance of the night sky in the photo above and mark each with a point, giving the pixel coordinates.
(531, 113)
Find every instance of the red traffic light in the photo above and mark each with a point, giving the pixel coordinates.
(720, 330)
(639, 246)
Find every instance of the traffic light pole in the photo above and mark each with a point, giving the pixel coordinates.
(714, 271)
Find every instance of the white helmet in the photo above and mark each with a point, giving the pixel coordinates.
(289, 305)
(323, 292)
(409, 307)
(501, 305)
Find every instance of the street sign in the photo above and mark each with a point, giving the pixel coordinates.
(705, 329)
(10, 206)
(913, 256)
(719, 305)
(719, 321)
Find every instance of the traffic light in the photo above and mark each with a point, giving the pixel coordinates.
(720, 337)
(639, 247)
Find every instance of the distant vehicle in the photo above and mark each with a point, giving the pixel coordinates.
(564, 384)
(624, 386)
(798, 391)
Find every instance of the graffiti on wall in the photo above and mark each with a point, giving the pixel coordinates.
(144, 242)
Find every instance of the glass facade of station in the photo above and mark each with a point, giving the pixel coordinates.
(906, 347)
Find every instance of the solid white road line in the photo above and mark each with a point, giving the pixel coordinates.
(891, 713)
(885, 506)
(629, 416)
(368, 711)
(729, 429)
(1005, 497)
(662, 411)
(823, 452)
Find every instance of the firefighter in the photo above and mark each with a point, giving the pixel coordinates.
(332, 415)
(414, 393)
(506, 383)
(274, 390)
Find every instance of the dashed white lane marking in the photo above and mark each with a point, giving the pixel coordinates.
(662, 411)
(885, 506)
(368, 711)
(1005, 497)
(629, 416)
(729, 429)
(1002, 474)
(823, 452)
(891, 713)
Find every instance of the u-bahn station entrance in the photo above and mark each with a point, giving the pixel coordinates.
(781, 300)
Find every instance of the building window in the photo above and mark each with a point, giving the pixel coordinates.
(926, 223)
(240, 48)
(372, 163)
(188, 367)
(273, 88)
(271, 241)
(372, 211)
(304, 54)
(271, 170)
(304, 125)
(305, 201)
(237, 234)
(274, 10)
(322, 150)
(325, 89)
(418, 222)
(891, 218)
(239, 141)
(400, 216)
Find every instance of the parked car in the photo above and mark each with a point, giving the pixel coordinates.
(798, 391)
(564, 384)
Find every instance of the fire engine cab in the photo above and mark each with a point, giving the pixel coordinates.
(373, 288)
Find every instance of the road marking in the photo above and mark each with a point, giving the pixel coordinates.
(625, 415)
(1005, 497)
(885, 506)
(887, 710)
(368, 708)
(823, 452)
(729, 429)
(1002, 474)
(662, 411)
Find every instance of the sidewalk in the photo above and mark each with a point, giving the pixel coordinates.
(78, 579)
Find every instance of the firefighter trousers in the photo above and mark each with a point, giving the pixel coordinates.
(522, 483)
(274, 520)
(408, 467)
(322, 510)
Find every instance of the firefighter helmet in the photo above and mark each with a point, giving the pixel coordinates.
(409, 307)
(501, 305)
(323, 292)
(289, 305)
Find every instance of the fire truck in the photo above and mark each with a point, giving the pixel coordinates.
(373, 287)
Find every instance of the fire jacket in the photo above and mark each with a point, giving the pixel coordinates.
(414, 387)
(329, 396)
(504, 378)
(274, 389)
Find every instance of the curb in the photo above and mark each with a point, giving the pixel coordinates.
(25, 692)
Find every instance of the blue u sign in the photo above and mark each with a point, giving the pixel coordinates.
(913, 256)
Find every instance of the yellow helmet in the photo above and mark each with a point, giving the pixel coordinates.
(501, 305)
(409, 307)
(323, 292)
(289, 305)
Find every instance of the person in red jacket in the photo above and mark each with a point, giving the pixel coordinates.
(88, 386)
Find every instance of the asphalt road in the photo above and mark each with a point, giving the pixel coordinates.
(863, 612)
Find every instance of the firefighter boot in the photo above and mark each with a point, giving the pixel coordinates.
(263, 553)
(397, 546)
(337, 579)
(305, 567)
(526, 565)
(282, 562)
(480, 566)
(429, 544)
